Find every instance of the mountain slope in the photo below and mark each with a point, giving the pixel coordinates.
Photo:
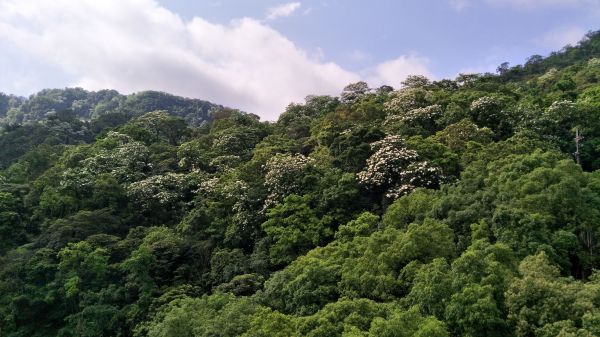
(89, 105)
(73, 115)
(458, 207)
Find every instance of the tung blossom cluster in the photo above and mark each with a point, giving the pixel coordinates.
(120, 156)
(419, 174)
(284, 176)
(163, 190)
(416, 116)
(561, 110)
(232, 190)
(405, 100)
(488, 108)
(388, 161)
(423, 114)
(484, 103)
(396, 169)
(236, 193)
(127, 160)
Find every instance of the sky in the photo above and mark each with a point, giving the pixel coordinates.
(261, 55)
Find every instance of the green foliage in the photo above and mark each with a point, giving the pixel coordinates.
(432, 288)
(216, 315)
(411, 208)
(375, 272)
(294, 229)
(304, 286)
(364, 225)
(474, 312)
(541, 301)
(12, 229)
(408, 323)
(268, 323)
(81, 267)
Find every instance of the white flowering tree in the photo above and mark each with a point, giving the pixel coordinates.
(396, 170)
(416, 81)
(495, 113)
(117, 155)
(77, 181)
(284, 176)
(414, 119)
(353, 92)
(125, 159)
(555, 123)
(235, 199)
(194, 155)
(422, 115)
(225, 189)
(410, 112)
(405, 100)
(163, 191)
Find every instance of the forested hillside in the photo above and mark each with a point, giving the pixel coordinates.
(462, 207)
(73, 116)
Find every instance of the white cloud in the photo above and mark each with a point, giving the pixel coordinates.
(282, 10)
(395, 71)
(138, 45)
(559, 38)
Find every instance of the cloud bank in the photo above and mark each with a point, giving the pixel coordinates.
(139, 45)
(395, 71)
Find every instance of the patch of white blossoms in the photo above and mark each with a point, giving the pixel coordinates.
(561, 110)
(121, 157)
(224, 189)
(238, 141)
(405, 100)
(483, 103)
(235, 192)
(396, 169)
(550, 75)
(389, 159)
(163, 190)
(457, 135)
(284, 176)
(127, 162)
(419, 174)
(117, 138)
(76, 179)
(548, 123)
(418, 115)
(490, 111)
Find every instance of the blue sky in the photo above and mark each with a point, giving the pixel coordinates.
(454, 37)
(261, 55)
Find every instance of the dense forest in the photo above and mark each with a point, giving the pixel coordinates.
(465, 207)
